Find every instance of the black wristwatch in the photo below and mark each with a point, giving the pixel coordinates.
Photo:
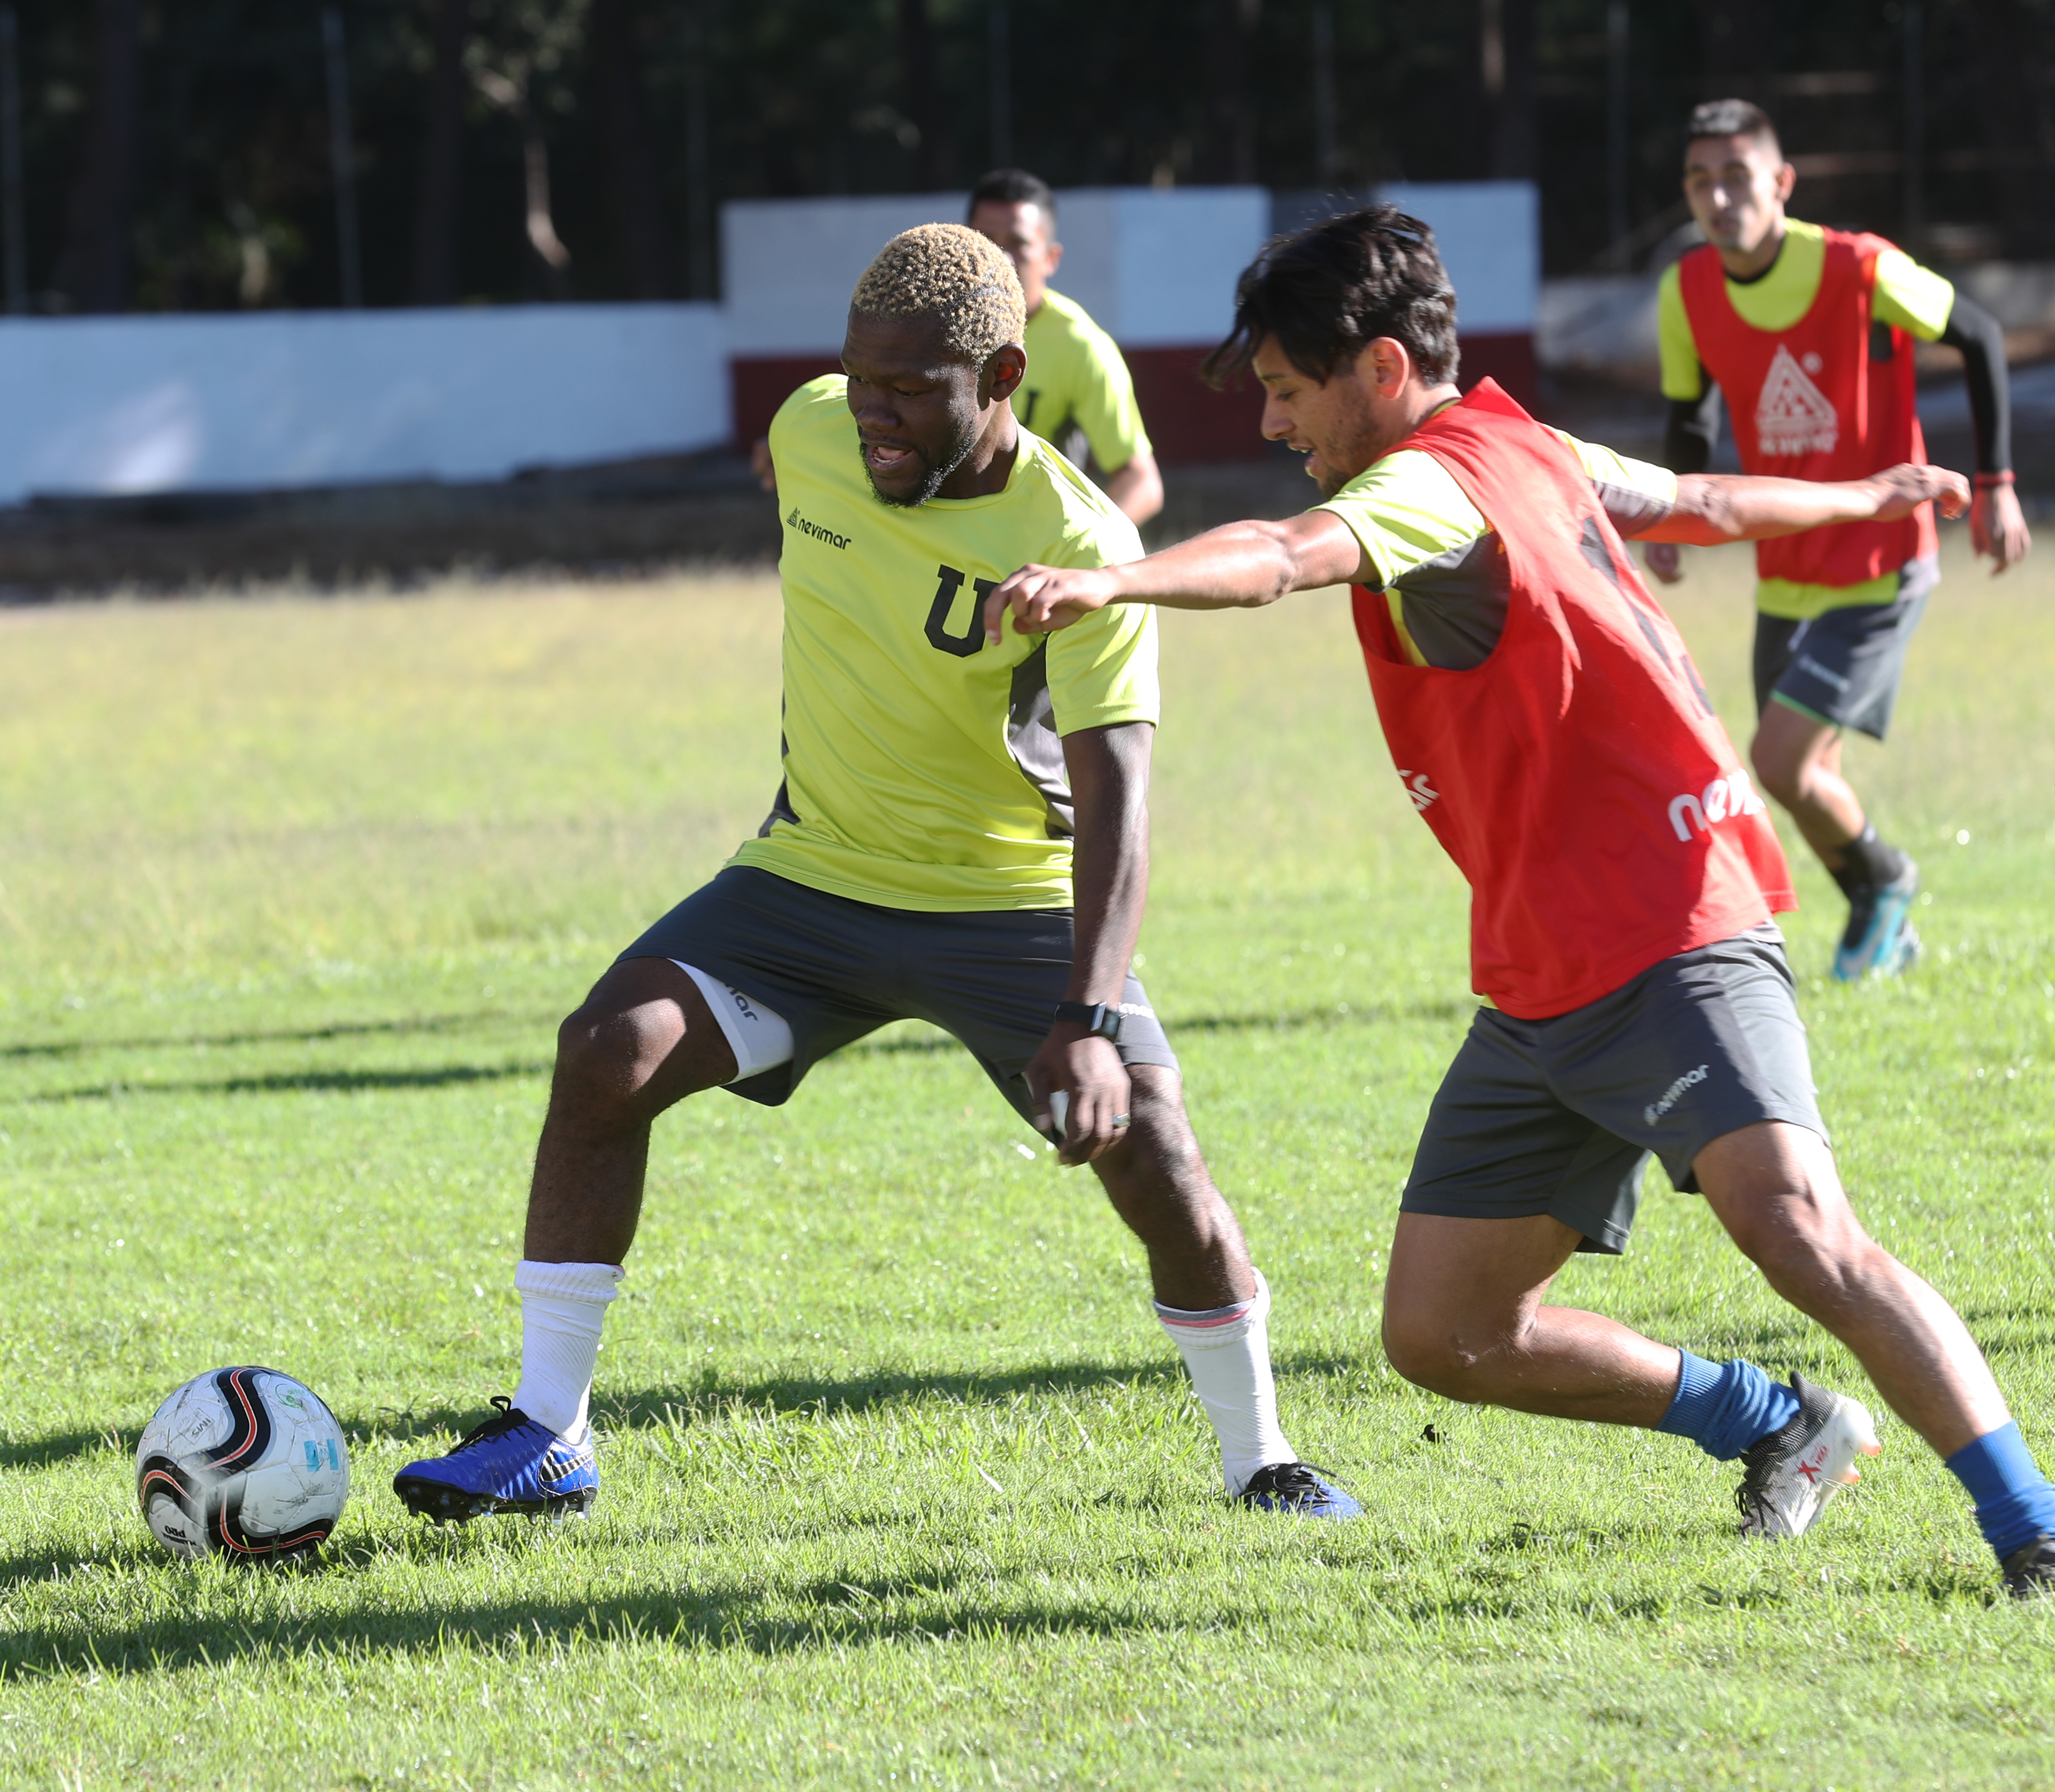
(1100, 1019)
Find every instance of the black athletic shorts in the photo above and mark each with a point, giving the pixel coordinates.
(836, 969)
(1843, 666)
(1560, 1116)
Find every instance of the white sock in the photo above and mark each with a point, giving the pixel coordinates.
(563, 1307)
(1227, 1353)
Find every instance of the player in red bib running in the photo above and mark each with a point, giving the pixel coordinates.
(1549, 726)
(1809, 333)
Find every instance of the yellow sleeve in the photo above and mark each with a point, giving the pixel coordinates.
(1682, 376)
(1102, 670)
(1405, 509)
(1104, 404)
(1912, 296)
(822, 394)
(1607, 467)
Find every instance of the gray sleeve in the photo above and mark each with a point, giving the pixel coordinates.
(1629, 510)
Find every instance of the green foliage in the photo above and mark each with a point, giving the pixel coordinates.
(901, 1478)
(233, 200)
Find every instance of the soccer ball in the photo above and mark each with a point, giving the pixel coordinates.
(245, 1463)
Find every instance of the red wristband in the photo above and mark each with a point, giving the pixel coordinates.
(1984, 482)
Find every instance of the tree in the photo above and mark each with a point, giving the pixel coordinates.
(638, 212)
(92, 269)
(442, 151)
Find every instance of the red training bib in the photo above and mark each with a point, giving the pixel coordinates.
(1817, 401)
(1578, 777)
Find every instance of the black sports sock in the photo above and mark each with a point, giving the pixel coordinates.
(1867, 863)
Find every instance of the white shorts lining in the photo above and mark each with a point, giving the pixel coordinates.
(760, 1037)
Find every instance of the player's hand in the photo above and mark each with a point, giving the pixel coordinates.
(760, 464)
(1997, 526)
(1088, 1071)
(1902, 489)
(1044, 599)
(1663, 559)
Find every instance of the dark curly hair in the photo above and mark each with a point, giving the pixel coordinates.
(1328, 292)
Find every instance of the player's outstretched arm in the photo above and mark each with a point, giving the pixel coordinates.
(1239, 566)
(1715, 508)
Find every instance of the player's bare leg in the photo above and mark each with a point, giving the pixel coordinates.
(643, 1040)
(1157, 1183)
(1797, 760)
(1775, 1189)
(1211, 1302)
(1463, 1316)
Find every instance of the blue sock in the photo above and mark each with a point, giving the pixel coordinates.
(1724, 1407)
(2014, 1503)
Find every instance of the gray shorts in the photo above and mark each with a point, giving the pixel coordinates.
(1560, 1116)
(835, 969)
(1843, 666)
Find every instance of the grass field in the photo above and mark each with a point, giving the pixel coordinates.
(901, 1486)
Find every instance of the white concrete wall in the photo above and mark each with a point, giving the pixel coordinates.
(281, 399)
(1155, 268)
(1490, 234)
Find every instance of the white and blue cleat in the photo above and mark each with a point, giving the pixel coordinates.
(1298, 1489)
(511, 1463)
(1880, 939)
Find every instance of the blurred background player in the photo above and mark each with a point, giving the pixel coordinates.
(1077, 384)
(1809, 333)
(918, 862)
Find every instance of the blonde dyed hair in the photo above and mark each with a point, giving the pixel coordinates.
(954, 274)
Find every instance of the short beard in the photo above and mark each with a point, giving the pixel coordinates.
(931, 480)
(1362, 445)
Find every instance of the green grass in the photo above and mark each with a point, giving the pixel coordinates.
(901, 1486)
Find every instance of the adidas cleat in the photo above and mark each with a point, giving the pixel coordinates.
(1880, 939)
(1792, 1474)
(1298, 1489)
(2030, 1573)
(511, 1463)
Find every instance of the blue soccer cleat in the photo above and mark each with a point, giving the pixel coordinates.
(1880, 939)
(511, 1463)
(1298, 1489)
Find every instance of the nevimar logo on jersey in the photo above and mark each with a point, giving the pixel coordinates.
(795, 521)
(1724, 797)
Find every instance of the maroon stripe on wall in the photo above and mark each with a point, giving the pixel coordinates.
(1190, 423)
(760, 384)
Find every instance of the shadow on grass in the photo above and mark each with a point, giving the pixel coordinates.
(344, 1081)
(46, 1451)
(315, 1082)
(722, 1615)
(713, 1396)
(283, 1035)
(1327, 1020)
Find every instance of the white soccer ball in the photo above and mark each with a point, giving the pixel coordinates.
(247, 1463)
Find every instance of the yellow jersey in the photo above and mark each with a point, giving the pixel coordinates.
(1077, 380)
(923, 769)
